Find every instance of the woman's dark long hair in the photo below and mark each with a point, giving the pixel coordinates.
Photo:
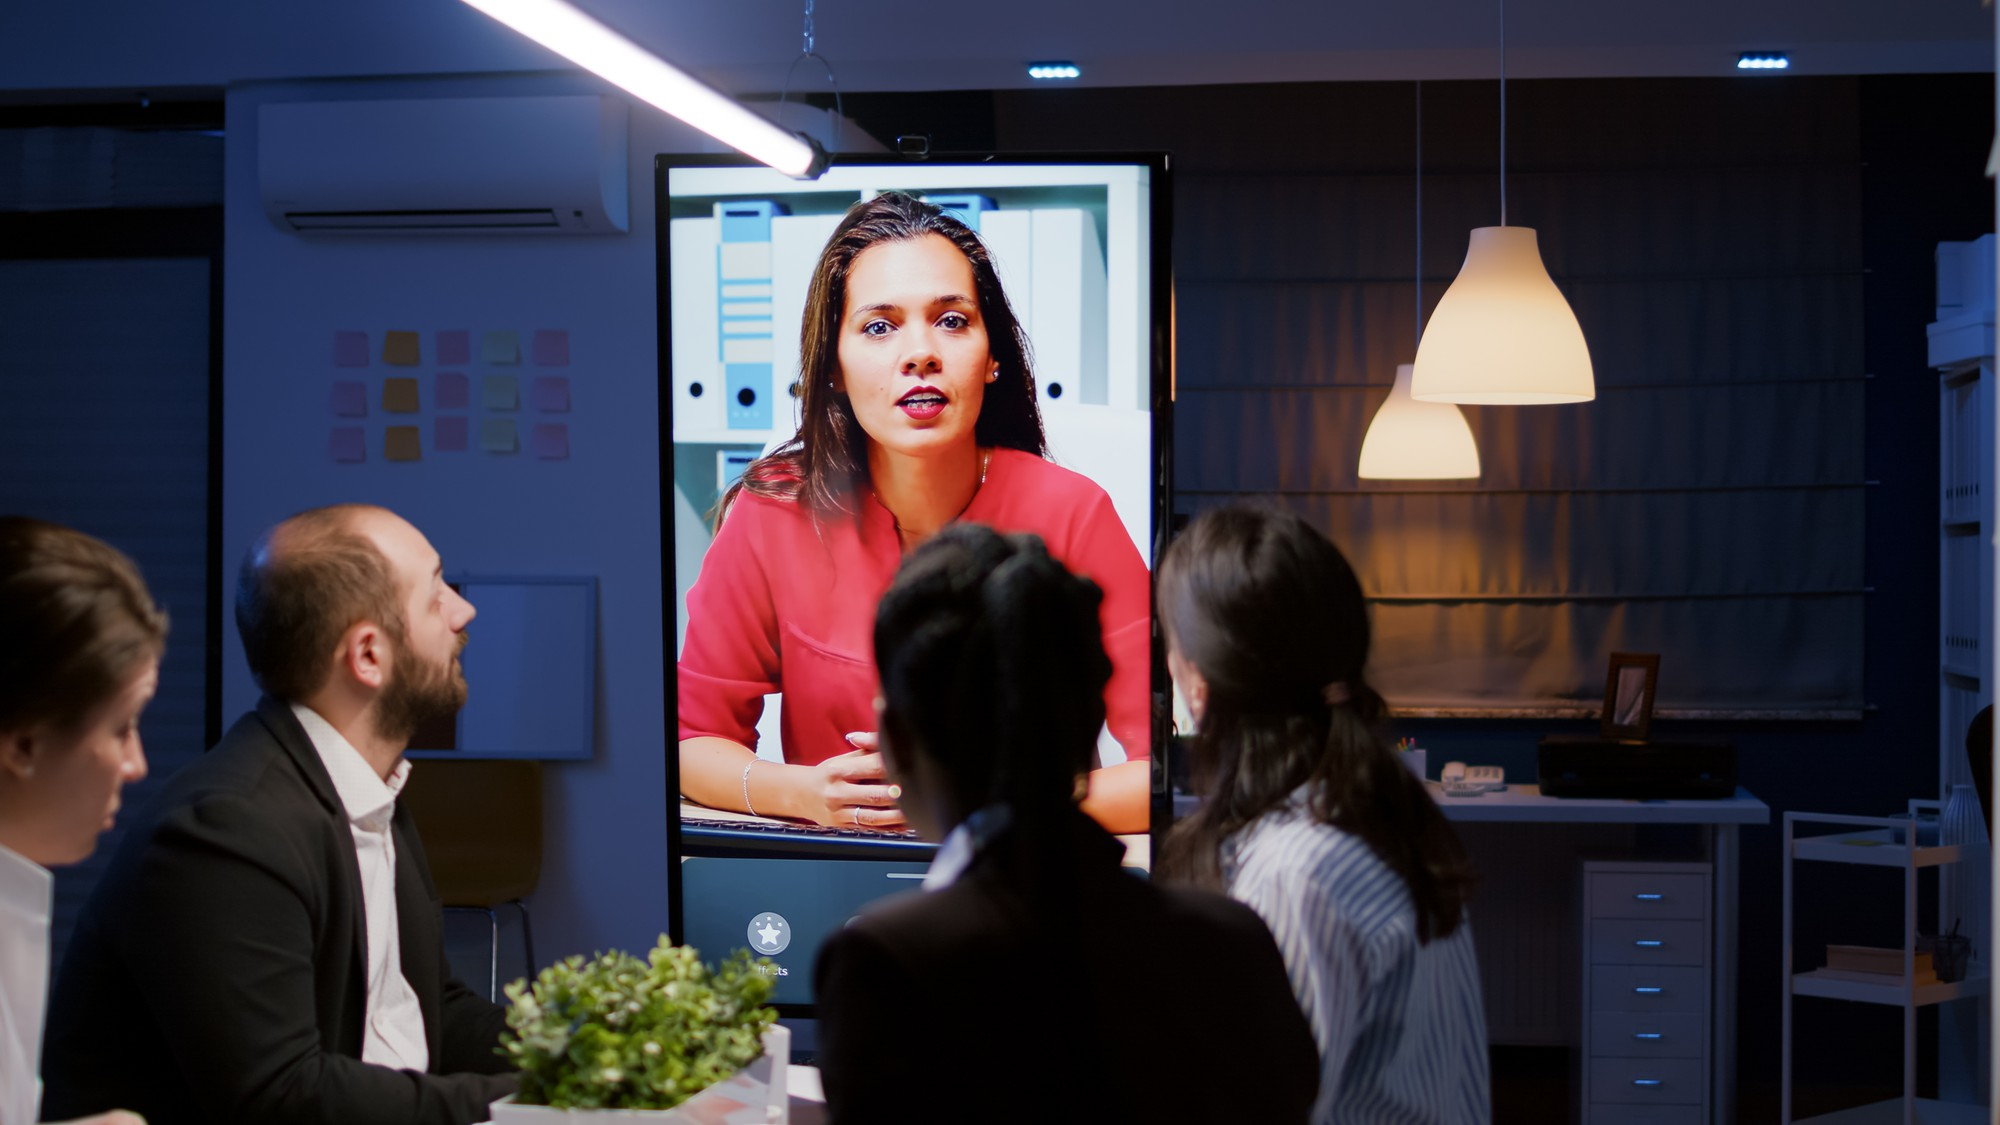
(993, 668)
(1271, 615)
(825, 464)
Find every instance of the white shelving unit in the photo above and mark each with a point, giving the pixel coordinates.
(1872, 841)
(1961, 351)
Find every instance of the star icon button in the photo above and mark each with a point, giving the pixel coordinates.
(769, 933)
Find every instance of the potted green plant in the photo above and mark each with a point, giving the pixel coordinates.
(663, 1040)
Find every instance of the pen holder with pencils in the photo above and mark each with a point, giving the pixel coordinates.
(1417, 760)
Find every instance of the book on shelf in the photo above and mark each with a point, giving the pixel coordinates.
(1865, 964)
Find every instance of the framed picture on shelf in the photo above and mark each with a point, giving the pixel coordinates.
(1628, 695)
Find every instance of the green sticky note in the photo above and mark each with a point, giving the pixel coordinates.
(500, 392)
(496, 435)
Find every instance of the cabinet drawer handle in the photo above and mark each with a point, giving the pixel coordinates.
(1649, 989)
(1649, 943)
(1647, 1035)
(1645, 1082)
(1644, 896)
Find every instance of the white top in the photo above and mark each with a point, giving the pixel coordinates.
(26, 892)
(963, 843)
(394, 1032)
(1400, 1026)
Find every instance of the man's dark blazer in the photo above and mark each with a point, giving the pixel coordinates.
(1057, 987)
(218, 973)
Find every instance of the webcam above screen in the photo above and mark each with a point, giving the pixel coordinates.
(773, 610)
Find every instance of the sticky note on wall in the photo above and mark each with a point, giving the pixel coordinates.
(551, 347)
(350, 399)
(550, 394)
(502, 348)
(454, 346)
(350, 349)
(496, 435)
(400, 349)
(500, 392)
(551, 441)
(451, 433)
(454, 391)
(345, 444)
(399, 396)
(402, 443)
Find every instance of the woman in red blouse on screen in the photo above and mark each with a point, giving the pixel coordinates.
(918, 408)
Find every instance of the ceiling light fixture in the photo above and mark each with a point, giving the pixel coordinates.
(1763, 60)
(1411, 440)
(581, 39)
(1502, 334)
(1048, 70)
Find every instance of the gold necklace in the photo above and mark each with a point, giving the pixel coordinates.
(903, 537)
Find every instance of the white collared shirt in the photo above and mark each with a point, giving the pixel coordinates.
(26, 892)
(963, 843)
(393, 1035)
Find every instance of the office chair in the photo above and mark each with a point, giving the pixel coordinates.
(481, 823)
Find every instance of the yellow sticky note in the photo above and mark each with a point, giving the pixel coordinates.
(401, 443)
(399, 396)
(401, 349)
(496, 435)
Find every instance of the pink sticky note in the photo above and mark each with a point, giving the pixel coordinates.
(551, 347)
(550, 394)
(347, 444)
(454, 346)
(350, 349)
(454, 391)
(453, 433)
(350, 399)
(551, 441)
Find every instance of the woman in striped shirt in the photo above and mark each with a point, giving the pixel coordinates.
(1312, 821)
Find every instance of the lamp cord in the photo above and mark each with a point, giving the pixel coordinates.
(1503, 111)
(1420, 209)
(807, 51)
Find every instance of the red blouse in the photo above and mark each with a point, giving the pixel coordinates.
(784, 606)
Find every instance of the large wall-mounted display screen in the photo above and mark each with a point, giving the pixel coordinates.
(1023, 344)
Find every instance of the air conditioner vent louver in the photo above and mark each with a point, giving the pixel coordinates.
(554, 165)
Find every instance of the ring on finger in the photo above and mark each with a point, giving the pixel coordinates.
(857, 817)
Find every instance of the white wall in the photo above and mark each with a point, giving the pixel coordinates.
(604, 878)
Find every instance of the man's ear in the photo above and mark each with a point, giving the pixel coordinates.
(364, 655)
(20, 751)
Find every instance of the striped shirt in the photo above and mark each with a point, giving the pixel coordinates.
(1400, 1026)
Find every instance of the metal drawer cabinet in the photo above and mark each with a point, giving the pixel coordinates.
(1647, 992)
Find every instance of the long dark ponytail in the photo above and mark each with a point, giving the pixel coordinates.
(993, 667)
(1272, 616)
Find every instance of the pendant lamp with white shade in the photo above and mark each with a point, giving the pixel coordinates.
(1503, 334)
(1411, 440)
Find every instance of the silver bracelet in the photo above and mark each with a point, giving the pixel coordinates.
(746, 787)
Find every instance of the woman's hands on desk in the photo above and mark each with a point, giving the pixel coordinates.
(845, 791)
(849, 791)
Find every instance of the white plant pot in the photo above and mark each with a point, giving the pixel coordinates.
(754, 1095)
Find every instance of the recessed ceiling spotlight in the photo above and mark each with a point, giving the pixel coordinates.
(1763, 60)
(1054, 70)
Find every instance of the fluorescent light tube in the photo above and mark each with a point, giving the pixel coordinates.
(1054, 70)
(576, 36)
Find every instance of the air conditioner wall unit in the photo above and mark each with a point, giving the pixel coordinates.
(540, 165)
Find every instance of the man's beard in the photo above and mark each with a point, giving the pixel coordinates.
(419, 693)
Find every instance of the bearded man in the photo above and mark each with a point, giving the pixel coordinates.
(266, 947)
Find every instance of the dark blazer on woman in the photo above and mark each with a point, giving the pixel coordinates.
(218, 974)
(1059, 987)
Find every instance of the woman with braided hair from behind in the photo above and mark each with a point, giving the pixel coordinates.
(1028, 975)
(1312, 821)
